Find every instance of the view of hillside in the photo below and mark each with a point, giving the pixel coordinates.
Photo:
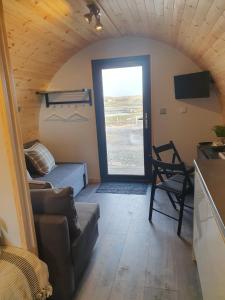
(124, 134)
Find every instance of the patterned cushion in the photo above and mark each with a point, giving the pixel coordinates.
(41, 158)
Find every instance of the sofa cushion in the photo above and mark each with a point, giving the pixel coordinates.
(88, 214)
(67, 174)
(57, 202)
(41, 158)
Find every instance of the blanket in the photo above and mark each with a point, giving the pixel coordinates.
(22, 275)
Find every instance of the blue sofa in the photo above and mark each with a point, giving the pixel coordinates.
(65, 174)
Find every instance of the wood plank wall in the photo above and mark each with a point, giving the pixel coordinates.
(44, 34)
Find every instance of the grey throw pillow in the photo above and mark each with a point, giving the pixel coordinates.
(57, 202)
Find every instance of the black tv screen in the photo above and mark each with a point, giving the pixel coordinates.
(195, 85)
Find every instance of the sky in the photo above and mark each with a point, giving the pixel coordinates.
(122, 81)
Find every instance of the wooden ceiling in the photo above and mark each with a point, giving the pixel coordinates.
(44, 34)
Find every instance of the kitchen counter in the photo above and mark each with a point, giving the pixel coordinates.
(212, 173)
(205, 151)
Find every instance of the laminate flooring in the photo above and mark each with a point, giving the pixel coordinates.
(136, 260)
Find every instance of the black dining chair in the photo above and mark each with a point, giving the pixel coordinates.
(175, 158)
(178, 189)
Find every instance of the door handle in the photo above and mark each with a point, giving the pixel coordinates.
(146, 120)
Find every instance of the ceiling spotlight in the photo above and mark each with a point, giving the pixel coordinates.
(88, 17)
(98, 25)
(94, 10)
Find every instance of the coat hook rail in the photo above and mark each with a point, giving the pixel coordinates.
(67, 97)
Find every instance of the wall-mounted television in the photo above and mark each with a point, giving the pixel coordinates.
(195, 85)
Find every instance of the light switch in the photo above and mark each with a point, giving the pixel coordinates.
(163, 111)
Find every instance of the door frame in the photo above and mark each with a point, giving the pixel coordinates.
(119, 62)
(20, 231)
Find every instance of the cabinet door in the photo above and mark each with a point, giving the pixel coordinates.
(200, 224)
(215, 245)
(209, 246)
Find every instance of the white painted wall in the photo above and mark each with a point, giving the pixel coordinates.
(78, 141)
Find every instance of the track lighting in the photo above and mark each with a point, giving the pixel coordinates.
(94, 11)
(98, 25)
(88, 17)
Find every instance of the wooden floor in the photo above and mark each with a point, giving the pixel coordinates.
(135, 260)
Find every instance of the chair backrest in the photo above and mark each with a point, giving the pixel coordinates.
(164, 168)
(167, 147)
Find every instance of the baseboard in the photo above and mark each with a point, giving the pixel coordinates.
(94, 180)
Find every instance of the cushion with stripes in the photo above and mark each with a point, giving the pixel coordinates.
(41, 158)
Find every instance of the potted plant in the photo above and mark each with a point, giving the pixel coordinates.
(220, 132)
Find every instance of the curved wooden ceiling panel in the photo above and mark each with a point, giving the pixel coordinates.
(43, 34)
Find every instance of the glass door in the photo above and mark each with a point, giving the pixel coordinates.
(122, 102)
(123, 113)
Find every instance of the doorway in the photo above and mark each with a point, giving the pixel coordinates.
(122, 105)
